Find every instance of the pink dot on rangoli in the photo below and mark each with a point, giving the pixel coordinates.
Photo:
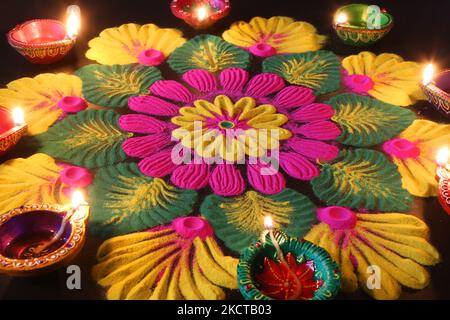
(151, 57)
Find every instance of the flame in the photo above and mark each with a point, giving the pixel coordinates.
(73, 23)
(77, 199)
(268, 222)
(18, 116)
(202, 13)
(442, 156)
(341, 18)
(428, 74)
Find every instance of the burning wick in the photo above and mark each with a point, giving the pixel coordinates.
(428, 74)
(202, 13)
(18, 117)
(268, 224)
(77, 201)
(442, 157)
(73, 23)
(341, 19)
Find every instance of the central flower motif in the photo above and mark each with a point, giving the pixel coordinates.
(229, 131)
(232, 118)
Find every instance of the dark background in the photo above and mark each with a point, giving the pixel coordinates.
(421, 33)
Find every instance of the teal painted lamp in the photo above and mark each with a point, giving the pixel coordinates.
(279, 267)
(361, 24)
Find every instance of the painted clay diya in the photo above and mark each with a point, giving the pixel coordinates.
(200, 14)
(438, 92)
(352, 28)
(443, 178)
(10, 134)
(24, 229)
(41, 41)
(261, 275)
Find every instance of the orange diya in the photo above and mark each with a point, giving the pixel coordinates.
(12, 128)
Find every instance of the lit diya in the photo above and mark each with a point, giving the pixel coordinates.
(36, 239)
(44, 41)
(200, 14)
(361, 24)
(12, 128)
(280, 267)
(437, 89)
(443, 178)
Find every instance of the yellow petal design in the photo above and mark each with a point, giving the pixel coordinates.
(395, 81)
(206, 127)
(39, 98)
(284, 34)
(28, 181)
(419, 174)
(392, 242)
(123, 44)
(165, 263)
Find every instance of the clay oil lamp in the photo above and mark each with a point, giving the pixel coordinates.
(12, 128)
(437, 89)
(200, 14)
(36, 239)
(361, 24)
(279, 267)
(443, 178)
(44, 41)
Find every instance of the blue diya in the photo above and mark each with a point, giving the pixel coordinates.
(262, 276)
(25, 229)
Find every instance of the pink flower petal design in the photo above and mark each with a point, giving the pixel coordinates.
(202, 80)
(152, 105)
(191, 176)
(226, 180)
(141, 147)
(318, 130)
(158, 165)
(264, 84)
(294, 96)
(171, 90)
(315, 150)
(265, 183)
(313, 112)
(298, 166)
(139, 123)
(234, 79)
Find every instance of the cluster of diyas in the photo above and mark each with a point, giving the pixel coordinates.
(358, 149)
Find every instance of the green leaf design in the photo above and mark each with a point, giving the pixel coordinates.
(111, 86)
(210, 53)
(366, 121)
(238, 221)
(90, 139)
(362, 179)
(124, 201)
(318, 70)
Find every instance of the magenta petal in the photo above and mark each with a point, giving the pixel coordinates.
(152, 105)
(315, 150)
(318, 130)
(141, 147)
(264, 84)
(263, 182)
(226, 180)
(298, 166)
(294, 96)
(202, 80)
(139, 123)
(172, 90)
(313, 112)
(191, 176)
(234, 79)
(158, 165)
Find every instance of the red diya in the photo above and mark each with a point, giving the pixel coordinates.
(437, 90)
(10, 132)
(443, 178)
(28, 245)
(200, 14)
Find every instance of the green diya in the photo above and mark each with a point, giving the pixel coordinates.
(307, 271)
(361, 24)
